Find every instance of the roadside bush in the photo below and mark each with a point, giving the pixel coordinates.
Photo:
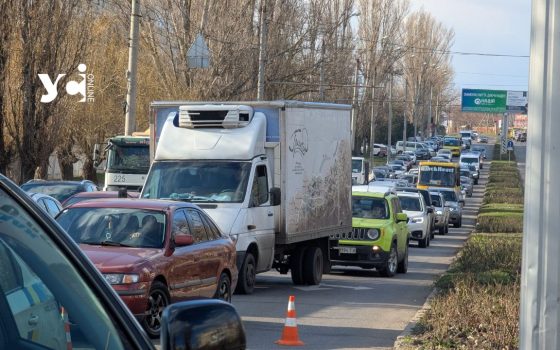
(510, 195)
(501, 208)
(485, 252)
(473, 316)
(500, 222)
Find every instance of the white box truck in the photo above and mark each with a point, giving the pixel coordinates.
(275, 176)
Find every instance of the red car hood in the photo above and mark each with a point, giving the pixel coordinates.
(118, 259)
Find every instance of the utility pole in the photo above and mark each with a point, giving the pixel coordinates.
(431, 116)
(372, 127)
(404, 113)
(540, 287)
(390, 124)
(322, 73)
(355, 104)
(262, 51)
(130, 114)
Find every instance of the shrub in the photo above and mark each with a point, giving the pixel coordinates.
(500, 222)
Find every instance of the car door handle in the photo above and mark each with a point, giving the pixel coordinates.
(270, 213)
(251, 227)
(33, 320)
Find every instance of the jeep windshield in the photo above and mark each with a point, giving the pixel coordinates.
(198, 181)
(369, 208)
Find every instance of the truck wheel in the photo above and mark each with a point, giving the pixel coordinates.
(296, 266)
(403, 265)
(313, 266)
(390, 266)
(247, 275)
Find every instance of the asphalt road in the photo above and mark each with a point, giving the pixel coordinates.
(354, 308)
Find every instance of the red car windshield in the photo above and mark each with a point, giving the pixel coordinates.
(115, 226)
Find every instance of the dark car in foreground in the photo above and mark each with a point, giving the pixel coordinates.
(61, 190)
(51, 295)
(154, 252)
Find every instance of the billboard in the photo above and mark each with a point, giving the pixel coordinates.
(483, 101)
(517, 101)
(493, 101)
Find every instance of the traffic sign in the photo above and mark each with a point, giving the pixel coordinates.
(510, 145)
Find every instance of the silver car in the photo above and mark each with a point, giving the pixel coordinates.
(441, 211)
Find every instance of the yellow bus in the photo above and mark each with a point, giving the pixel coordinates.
(453, 144)
(436, 174)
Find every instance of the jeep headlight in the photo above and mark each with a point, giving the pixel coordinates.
(417, 220)
(121, 278)
(373, 234)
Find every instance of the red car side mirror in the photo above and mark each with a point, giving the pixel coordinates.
(183, 240)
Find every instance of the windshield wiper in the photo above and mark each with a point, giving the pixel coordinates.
(113, 244)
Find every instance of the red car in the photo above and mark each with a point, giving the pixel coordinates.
(154, 252)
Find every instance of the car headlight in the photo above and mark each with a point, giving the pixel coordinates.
(417, 220)
(121, 278)
(373, 233)
(453, 209)
(439, 212)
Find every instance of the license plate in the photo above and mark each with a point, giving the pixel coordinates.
(347, 250)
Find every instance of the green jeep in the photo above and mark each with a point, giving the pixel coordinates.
(379, 236)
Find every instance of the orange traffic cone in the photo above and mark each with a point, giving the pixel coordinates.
(290, 334)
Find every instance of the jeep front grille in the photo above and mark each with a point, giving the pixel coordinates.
(359, 234)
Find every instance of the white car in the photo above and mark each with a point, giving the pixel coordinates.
(411, 155)
(445, 153)
(413, 205)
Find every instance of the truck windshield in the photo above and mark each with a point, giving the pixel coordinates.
(356, 165)
(129, 159)
(198, 181)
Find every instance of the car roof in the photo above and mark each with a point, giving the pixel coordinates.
(57, 182)
(370, 192)
(104, 194)
(132, 203)
(409, 194)
(36, 195)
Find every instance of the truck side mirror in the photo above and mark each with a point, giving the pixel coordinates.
(96, 154)
(275, 196)
(202, 324)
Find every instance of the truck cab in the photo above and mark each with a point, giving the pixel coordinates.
(125, 161)
(360, 171)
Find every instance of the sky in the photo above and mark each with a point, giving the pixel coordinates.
(486, 26)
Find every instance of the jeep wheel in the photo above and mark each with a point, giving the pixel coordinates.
(390, 266)
(403, 265)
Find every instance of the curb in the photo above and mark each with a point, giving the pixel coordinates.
(400, 342)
